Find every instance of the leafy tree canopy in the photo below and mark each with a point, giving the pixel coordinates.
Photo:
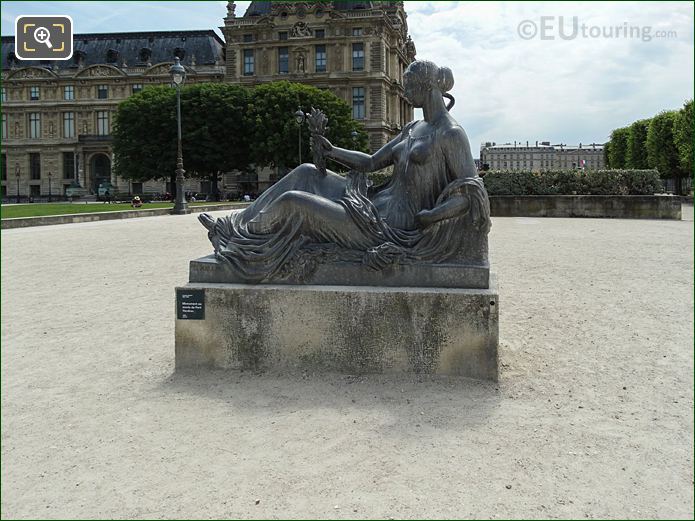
(224, 127)
(274, 129)
(683, 136)
(617, 154)
(661, 148)
(636, 153)
(664, 142)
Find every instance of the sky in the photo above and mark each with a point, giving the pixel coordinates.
(522, 72)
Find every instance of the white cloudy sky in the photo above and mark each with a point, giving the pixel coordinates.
(507, 88)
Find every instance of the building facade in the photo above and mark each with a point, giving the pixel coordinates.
(357, 50)
(57, 115)
(540, 157)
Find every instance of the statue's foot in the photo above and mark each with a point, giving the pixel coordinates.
(207, 220)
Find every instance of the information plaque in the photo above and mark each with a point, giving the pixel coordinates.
(190, 304)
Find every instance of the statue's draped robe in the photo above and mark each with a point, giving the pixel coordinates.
(309, 211)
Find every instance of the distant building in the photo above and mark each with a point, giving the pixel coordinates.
(541, 156)
(358, 50)
(57, 115)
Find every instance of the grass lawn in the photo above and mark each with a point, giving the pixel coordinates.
(41, 209)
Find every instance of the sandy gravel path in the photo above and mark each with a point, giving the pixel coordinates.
(592, 418)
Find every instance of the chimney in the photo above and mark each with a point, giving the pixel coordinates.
(536, 143)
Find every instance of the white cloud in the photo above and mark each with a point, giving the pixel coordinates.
(578, 90)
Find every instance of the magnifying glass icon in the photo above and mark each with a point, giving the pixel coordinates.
(42, 35)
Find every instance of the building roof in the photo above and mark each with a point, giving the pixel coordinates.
(512, 146)
(136, 48)
(263, 7)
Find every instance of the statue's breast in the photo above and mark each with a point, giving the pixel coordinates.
(421, 150)
(416, 150)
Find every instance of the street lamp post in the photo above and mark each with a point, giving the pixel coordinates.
(50, 175)
(299, 117)
(17, 172)
(178, 76)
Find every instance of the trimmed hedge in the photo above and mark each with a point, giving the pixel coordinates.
(563, 182)
(569, 182)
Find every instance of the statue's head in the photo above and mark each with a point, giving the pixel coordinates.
(421, 77)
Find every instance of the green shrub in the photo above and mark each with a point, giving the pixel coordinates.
(382, 176)
(568, 182)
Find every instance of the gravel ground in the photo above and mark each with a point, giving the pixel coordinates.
(592, 417)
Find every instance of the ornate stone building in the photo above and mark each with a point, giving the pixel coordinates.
(359, 50)
(57, 116)
(541, 157)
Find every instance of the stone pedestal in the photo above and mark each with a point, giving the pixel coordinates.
(443, 275)
(348, 329)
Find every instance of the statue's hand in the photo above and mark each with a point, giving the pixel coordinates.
(424, 218)
(455, 206)
(319, 142)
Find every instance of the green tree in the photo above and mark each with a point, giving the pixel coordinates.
(275, 133)
(636, 154)
(607, 154)
(215, 130)
(144, 135)
(224, 127)
(683, 135)
(617, 153)
(214, 133)
(661, 146)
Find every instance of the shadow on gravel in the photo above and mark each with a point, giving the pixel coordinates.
(439, 400)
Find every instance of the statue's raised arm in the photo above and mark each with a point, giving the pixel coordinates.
(433, 210)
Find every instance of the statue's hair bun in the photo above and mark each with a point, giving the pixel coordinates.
(445, 79)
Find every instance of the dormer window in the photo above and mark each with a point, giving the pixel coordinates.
(180, 52)
(111, 56)
(80, 57)
(145, 54)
